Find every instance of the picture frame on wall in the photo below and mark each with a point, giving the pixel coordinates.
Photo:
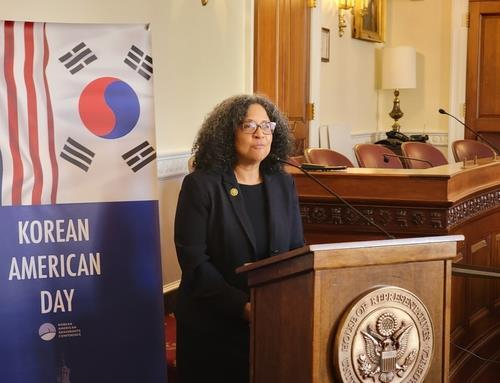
(369, 20)
(325, 45)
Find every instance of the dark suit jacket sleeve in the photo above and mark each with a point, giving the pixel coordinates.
(205, 282)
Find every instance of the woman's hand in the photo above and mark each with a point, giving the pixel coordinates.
(246, 312)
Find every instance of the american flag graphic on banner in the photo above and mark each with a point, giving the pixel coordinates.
(80, 272)
(74, 99)
(27, 124)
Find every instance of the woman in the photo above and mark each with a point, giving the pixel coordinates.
(236, 207)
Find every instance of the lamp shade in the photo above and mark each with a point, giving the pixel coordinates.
(399, 68)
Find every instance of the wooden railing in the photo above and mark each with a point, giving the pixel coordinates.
(474, 271)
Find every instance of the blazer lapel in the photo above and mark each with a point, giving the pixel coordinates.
(236, 199)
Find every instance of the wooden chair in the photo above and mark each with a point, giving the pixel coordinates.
(469, 149)
(422, 151)
(372, 156)
(327, 157)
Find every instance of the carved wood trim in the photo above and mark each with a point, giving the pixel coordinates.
(400, 217)
(386, 216)
(473, 207)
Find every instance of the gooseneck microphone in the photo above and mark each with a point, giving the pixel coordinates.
(476, 134)
(335, 194)
(386, 159)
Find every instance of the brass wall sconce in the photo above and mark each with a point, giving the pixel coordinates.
(344, 6)
(204, 2)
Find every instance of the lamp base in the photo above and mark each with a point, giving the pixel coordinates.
(396, 112)
(396, 127)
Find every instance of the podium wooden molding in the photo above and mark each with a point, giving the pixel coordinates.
(299, 298)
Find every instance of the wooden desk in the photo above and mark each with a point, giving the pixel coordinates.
(444, 200)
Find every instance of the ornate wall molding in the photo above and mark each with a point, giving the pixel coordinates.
(435, 138)
(438, 139)
(173, 165)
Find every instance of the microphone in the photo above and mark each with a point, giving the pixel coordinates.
(386, 159)
(335, 194)
(476, 134)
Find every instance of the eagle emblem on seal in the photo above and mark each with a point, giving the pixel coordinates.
(385, 348)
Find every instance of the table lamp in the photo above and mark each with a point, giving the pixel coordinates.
(399, 71)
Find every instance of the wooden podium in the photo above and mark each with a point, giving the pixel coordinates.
(303, 298)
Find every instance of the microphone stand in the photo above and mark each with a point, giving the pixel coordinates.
(406, 158)
(329, 190)
(476, 134)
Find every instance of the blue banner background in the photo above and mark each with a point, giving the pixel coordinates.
(119, 313)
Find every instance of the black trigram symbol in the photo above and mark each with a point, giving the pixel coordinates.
(139, 156)
(79, 57)
(77, 154)
(140, 62)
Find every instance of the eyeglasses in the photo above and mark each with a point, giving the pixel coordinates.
(250, 127)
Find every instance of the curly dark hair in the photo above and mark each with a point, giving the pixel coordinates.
(214, 146)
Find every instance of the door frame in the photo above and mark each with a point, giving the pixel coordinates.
(458, 70)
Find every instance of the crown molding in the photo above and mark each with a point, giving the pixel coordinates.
(173, 165)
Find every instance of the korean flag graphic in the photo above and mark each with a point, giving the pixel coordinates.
(110, 102)
(80, 274)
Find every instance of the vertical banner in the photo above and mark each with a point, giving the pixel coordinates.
(80, 273)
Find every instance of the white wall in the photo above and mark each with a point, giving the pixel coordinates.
(350, 98)
(348, 95)
(204, 57)
(201, 56)
(425, 25)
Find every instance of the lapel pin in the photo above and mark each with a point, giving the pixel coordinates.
(233, 192)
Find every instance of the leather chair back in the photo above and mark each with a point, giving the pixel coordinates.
(469, 149)
(422, 151)
(327, 157)
(372, 156)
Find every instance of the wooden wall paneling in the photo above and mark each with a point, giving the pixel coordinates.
(479, 291)
(281, 69)
(495, 262)
(483, 66)
(266, 46)
(297, 81)
(458, 292)
(284, 46)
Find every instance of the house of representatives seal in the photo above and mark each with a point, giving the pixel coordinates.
(385, 336)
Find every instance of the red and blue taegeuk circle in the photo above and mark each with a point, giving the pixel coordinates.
(109, 107)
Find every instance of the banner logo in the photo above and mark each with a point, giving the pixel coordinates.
(47, 331)
(109, 107)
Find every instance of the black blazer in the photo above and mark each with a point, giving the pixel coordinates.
(214, 236)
